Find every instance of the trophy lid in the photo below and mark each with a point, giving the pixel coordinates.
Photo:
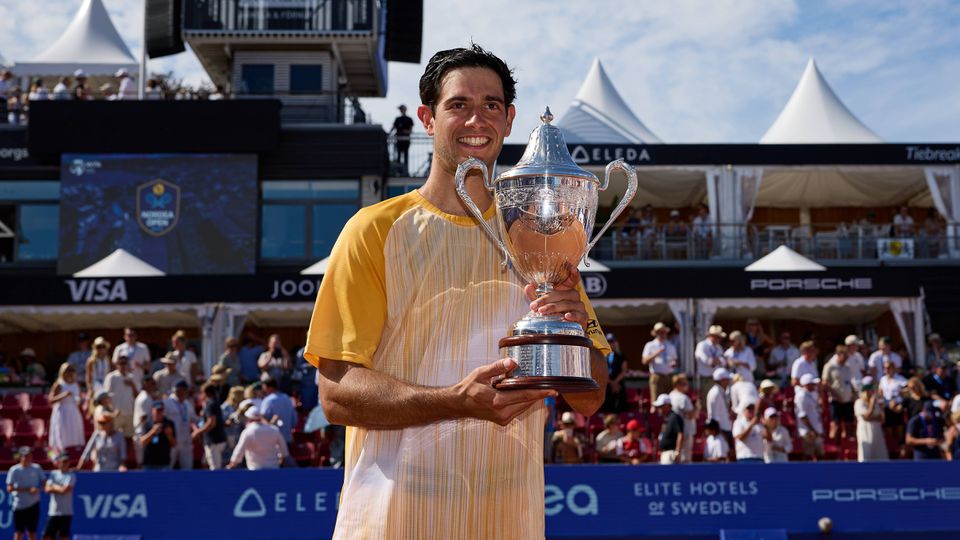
(547, 155)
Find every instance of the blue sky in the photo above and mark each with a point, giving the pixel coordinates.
(693, 71)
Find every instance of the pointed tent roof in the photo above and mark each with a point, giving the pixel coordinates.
(120, 263)
(784, 259)
(599, 115)
(814, 114)
(316, 269)
(91, 42)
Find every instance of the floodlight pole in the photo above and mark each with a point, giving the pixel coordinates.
(142, 82)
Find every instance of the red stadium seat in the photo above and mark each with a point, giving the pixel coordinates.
(39, 407)
(24, 399)
(302, 437)
(10, 407)
(6, 458)
(303, 453)
(42, 458)
(6, 430)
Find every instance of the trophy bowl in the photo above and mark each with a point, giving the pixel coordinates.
(545, 211)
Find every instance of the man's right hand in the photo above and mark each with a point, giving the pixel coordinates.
(479, 399)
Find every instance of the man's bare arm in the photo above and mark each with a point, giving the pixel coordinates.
(587, 403)
(353, 395)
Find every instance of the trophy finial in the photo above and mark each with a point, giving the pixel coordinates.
(547, 116)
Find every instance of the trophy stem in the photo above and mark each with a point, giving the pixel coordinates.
(543, 289)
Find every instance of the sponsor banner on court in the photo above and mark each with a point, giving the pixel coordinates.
(579, 501)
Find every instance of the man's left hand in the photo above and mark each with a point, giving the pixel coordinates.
(563, 300)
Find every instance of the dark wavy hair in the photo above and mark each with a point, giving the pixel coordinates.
(474, 56)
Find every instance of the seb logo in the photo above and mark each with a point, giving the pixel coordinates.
(250, 504)
(109, 506)
(97, 290)
(580, 500)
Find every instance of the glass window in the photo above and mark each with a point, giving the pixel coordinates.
(25, 190)
(256, 79)
(39, 226)
(283, 231)
(328, 221)
(306, 79)
(395, 189)
(298, 190)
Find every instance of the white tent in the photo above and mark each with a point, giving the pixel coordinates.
(90, 42)
(316, 269)
(120, 263)
(598, 114)
(814, 114)
(589, 265)
(784, 259)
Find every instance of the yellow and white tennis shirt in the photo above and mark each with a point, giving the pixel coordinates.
(419, 294)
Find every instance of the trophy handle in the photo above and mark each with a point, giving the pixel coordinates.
(627, 196)
(461, 179)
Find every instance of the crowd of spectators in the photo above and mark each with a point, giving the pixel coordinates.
(118, 408)
(852, 402)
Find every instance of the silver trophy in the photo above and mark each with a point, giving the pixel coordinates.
(545, 211)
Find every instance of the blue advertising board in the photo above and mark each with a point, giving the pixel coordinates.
(579, 501)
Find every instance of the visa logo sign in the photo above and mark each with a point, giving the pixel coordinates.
(109, 506)
(97, 290)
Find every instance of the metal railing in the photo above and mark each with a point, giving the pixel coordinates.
(418, 156)
(280, 15)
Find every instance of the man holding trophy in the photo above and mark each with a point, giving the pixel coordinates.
(418, 303)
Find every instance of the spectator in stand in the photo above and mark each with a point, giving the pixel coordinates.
(915, 396)
(253, 395)
(838, 379)
(107, 93)
(66, 422)
(634, 447)
(128, 90)
(60, 488)
(881, 356)
(682, 404)
(809, 422)
(777, 443)
(38, 92)
(119, 383)
(78, 358)
(891, 388)
(277, 409)
(748, 433)
(144, 401)
(180, 411)
(671, 432)
(952, 442)
(249, 354)
(403, 127)
(661, 357)
(858, 366)
(188, 365)
(709, 357)
(871, 445)
(936, 352)
(103, 406)
(138, 356)
(275, 362)
(79, 90)
(98, 365)
(61, 91)
(939, 383)
(33, 371)
(217, 94)
(767, 397)
(24, 481)
(168, 377)
(212, 430)
(218, 379)
(780, 358)
(740, 358)
(703, 232)
(925, 433)
(741, 392)
(232, 417)
(806, 364)
(567, 443)
(261, 445)
(306, 374)
(152, 92)
(616, 396)
(16, 107)
(718, 406)
(716, 449)
(606, 443)
(158, 437)
(107, 448)
(758, 340)
(230, 359)
(903, 223)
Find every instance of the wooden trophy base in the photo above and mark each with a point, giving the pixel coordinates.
(564, 385)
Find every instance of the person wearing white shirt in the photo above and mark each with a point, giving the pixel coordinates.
(903, 223)
(179, 409)
(854, 359)
(683, 405)
(748, 433)
(880, 357)
(809, 422)
(61, 91)
(777, 444)
(742, 392)
(261, 445)
(891, 386)
(716, 448)
(137, 354)
(806, 364)
(661, 357)
(781, 355)
(740, 358)
(188, 366)
(709, 357)
(141, 411)
(120, 384)
(718, 404)
(128, 89)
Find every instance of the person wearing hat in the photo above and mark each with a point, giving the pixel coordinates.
(661, 357)
(403, 128)
(128, 90)
(936, 352)
(925, 433)
(567, 443)
(181, 412)
(709, 357)
(806, 364)
(24, 482)
(78, 358)
(838, 379)
(781, 356)
(718, 405)
(59, 486)
(107, 447)
(122, 388)
(634, 447)
(617, 367)
(777, 443)
(218, 380)
(881, 356)
(809, 423)
(138, 356)
(158, 437)
(740, 358)
(748, 432)
(98, 365)
(716, 449)
(606, 442)
(79, 90)
(871, 443)
(230, 360)
(168, 377)
(854, 359)
(261, 446)
(767, 395)
(671, 431)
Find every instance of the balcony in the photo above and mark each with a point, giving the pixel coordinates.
(279, 16)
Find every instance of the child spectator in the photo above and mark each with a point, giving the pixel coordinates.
(716, 449)
(777, 444)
